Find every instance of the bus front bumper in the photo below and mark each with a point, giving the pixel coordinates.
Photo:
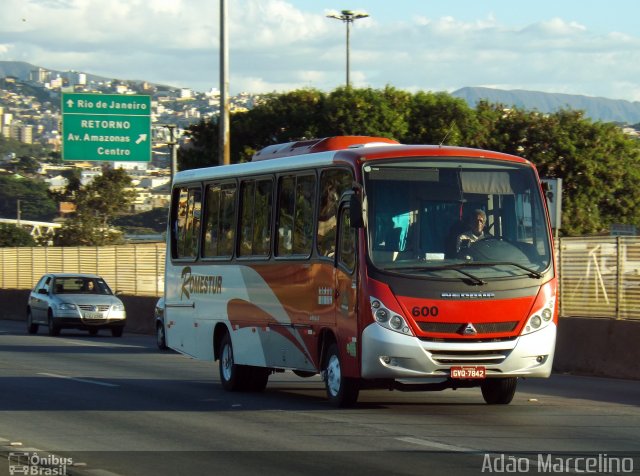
(391, 355)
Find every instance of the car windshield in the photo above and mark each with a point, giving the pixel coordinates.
(80, 285)
(456, 218)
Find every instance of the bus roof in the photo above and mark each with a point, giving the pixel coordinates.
(319, 145)
(329, 151)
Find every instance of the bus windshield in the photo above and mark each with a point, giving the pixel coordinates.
(456, 218)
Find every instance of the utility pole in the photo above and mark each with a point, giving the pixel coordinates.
(173, 144)
(223, 120)
(18, 214)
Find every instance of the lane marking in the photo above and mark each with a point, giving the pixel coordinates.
(104, 384)
(435, 444)
(99, 344)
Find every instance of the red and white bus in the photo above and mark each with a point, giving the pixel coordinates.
(346, 257)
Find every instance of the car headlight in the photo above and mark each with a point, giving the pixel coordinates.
(389, 319)
(66, 306)
(118, 307)
(540, 318)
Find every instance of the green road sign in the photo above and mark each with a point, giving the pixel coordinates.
(106, 127)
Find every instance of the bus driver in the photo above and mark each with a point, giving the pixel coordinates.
(475, 232)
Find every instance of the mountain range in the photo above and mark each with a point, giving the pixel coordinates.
(598, 109)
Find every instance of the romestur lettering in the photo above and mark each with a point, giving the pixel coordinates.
(199, 283)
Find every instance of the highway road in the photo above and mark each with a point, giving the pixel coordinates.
(119, 406)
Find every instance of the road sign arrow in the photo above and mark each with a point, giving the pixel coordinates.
(141, 138)
(70, 103)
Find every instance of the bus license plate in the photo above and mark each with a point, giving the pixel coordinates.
(468, 372)
(93, 315)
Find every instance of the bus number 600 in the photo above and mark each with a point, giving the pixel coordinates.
(425, 311)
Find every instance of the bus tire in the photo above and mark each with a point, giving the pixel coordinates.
(234, 377)
(341, 391)
(499, 391)
(258, 378)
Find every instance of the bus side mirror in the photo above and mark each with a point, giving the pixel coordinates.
(355, 211)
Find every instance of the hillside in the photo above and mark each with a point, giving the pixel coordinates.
(21, 70)
(599, 109)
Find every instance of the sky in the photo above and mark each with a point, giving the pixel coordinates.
(586, 47)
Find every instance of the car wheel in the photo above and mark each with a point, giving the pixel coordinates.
(161, 340)
(54, 329)
(341, 391)
(31, 327)
(117, 331)
(93, 332)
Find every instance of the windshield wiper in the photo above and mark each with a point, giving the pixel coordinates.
(454, 267)
(532, 272)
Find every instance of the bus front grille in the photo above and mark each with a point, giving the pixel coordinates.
(458, 328)
(471, 357)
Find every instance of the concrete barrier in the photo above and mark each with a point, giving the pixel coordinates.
(586, 346)
(598, 346)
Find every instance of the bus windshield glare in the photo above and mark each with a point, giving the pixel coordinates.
(456, 218)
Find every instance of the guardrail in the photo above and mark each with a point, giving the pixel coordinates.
(599, 277)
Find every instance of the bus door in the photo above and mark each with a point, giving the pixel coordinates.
(346, 291)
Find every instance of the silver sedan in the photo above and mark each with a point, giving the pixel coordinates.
(74, 301)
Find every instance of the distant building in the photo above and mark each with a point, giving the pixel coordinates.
(57, 183)
(89, 175)
(39, 75)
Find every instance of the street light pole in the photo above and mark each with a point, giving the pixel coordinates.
(224, 148)
(348, 17)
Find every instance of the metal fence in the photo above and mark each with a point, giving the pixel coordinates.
(599, 277)
(132, 269)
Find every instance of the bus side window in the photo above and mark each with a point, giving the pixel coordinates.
(296, 199)
(186, 226)
(255, 218)
(219, 221)
(333, 183)
(347, 252)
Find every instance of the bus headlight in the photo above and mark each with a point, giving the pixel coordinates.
(388, 319)
(540, 318)
(382, 315)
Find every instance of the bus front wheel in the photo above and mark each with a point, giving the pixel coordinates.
(341, 391)
(499, 391)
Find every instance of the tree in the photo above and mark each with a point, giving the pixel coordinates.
(368, 112)
(11, 235)
(154, 221)
(599, 165)
(436, 118)
(35, 202)
(201, 150)
(281, 118)
(97, 205)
